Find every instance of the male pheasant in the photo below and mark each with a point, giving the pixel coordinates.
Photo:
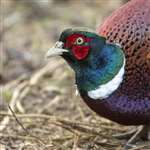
(112, 65)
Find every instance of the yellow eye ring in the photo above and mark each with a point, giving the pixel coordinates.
(79, 41)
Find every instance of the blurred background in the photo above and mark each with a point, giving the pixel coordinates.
(38, 105)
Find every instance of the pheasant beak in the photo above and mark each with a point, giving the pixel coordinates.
(56, 50)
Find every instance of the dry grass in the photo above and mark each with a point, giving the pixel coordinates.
(38, 105)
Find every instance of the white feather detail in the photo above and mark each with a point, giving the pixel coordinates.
(77, 92)
(103, 91)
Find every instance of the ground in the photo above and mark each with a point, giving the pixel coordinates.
(39, 108)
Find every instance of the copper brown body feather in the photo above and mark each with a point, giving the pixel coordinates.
(130, 27)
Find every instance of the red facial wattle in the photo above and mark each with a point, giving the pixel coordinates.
(79, 51)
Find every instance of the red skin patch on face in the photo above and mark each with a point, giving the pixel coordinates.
(79, 51)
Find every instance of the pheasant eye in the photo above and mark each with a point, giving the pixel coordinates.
(79, 41)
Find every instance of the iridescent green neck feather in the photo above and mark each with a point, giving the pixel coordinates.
(100, 66)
